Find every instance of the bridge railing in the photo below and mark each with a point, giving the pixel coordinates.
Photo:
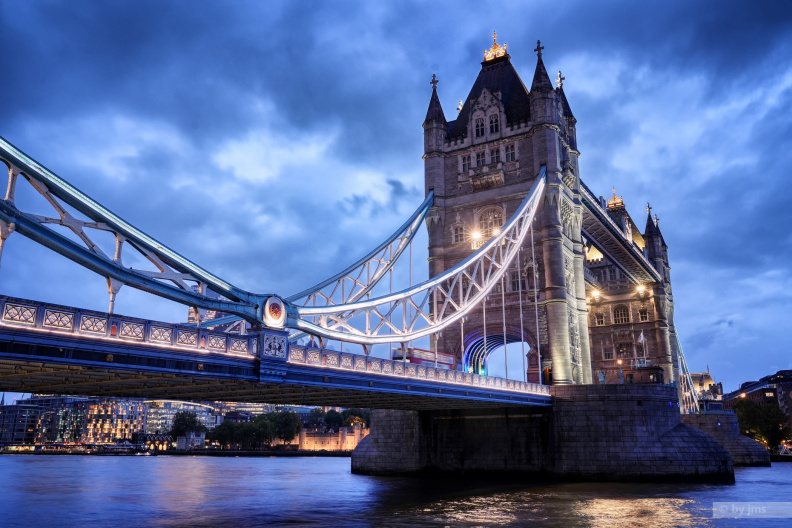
(333, 359)
(49, 318)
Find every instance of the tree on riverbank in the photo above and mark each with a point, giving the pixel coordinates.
(258, 434)
(764, 423)
(186, 422)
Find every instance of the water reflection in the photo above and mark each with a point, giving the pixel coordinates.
(230, 492)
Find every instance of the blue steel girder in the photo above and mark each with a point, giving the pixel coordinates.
(605, 234)
(173, 267)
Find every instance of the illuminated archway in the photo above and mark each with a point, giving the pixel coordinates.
(477, 352)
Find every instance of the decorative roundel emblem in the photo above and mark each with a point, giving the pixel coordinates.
(274, 312)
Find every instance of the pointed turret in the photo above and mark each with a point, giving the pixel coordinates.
(651, 229)
(562, 97)
(541, 81)
(435, 111)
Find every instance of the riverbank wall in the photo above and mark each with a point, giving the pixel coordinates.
(591, 432)
(724, 428)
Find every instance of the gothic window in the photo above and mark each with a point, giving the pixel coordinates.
(510, 155)
(600, 319)
(494, 124)
(643, 315)
(494, 155)
(480, 159)
(465, 163)
(607, 354)
(621, 315)
(459, 234)
(489, 221)
(479, 127)
(516, 279)
(624, 350)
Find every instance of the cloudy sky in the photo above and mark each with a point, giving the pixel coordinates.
(275, 142)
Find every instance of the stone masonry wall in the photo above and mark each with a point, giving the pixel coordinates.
(591, 432)
(725, 429)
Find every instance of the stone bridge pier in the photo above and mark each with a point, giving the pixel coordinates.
(591, 432)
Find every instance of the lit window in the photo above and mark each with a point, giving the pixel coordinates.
(489, 221)
(459, 234)
(624, 350)
(479, 127)
(494, 124)
(494, 156)
(621, 315)
(465, 163)
(600, 319)
(510, 155)
(643, 315)
(480, 159)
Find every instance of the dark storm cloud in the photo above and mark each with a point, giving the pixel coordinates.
(273, 143)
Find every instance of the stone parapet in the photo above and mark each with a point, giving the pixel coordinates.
(726, 430)
(591, 432)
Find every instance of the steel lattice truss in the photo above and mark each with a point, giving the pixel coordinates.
(428, 307)
(332, 309)
(171, 276)
(359, 278)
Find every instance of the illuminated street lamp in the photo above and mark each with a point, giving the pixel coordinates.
(641, 290)
(476, 235)
(595, 295)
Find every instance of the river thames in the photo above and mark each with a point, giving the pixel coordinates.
(77, 491)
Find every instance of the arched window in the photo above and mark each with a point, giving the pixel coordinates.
(621, 315)
(489, 221)
(494, 124)
(480, 159)
(510, 155)
(643, 315)
(479, 127)
(600, 319)
(494, 155)
(459, 234)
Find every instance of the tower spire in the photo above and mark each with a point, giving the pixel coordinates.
(435, 110)
(541, 81)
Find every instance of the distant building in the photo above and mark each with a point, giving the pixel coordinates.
(705, 386)
(62, 418)
(111, 419)
(775, 388)
(191, 440)
(18, 423)
(253, 409)
(160, 413)
(346, 439)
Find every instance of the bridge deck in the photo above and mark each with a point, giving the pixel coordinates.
(47, 349)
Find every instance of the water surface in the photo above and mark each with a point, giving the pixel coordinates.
(77, 491)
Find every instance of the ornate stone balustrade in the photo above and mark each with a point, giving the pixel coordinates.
(333, 359)
(86, 323)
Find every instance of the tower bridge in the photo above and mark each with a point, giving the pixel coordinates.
(520, 251)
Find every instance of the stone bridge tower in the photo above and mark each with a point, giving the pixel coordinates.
(481, 166)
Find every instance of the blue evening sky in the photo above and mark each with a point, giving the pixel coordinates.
(275, 142)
